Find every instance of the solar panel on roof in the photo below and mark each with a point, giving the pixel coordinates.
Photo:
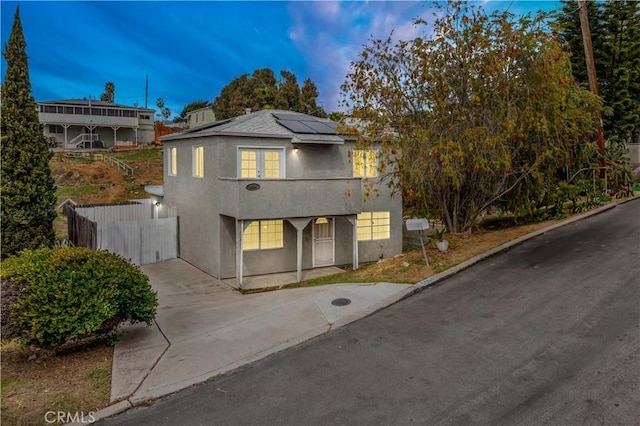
(320, 127)
(296, 126)
(305, 124)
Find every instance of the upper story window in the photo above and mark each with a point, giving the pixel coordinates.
(365, 163)
(261, 163)
(94, 110)
(173, 161)
(198, 161)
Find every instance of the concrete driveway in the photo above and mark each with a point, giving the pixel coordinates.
(204, 328)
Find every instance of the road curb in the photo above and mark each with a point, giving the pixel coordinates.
(109, 411)
(388, 301)
(470, 262)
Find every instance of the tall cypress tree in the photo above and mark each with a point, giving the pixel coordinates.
(622, 52)
(615, 35)
(28, 191)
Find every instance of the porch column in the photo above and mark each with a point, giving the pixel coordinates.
(299, 224)
(115, 133)
(353, 220)
(239, 229)
(91, 129)
(241, 225)
(66, 134)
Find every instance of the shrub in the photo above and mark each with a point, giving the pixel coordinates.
(62, 294)
(11, 292)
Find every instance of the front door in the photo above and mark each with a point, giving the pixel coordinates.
(323, 246)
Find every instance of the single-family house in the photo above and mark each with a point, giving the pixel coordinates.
(275, 191)
(200, 116)
(88, 123)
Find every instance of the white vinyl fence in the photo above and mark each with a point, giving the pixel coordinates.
(134, 231)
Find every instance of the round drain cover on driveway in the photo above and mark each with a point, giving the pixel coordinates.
(343, 301)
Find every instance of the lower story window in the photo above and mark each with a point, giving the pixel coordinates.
(374, 226)
(263, 235)
(55, 128)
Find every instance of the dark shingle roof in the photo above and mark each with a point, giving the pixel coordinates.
(257, 124)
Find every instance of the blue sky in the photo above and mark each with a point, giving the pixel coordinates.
(191, 49)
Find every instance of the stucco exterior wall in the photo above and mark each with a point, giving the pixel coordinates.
(207, 222)
(343, 242)
(196, 206)
(369, 251)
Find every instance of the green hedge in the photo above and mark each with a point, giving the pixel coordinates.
(63, 294)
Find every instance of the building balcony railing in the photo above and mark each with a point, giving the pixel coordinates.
(284, 198)
(87, 120)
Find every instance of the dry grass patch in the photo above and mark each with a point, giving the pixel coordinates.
(410, 267)
(36, 381)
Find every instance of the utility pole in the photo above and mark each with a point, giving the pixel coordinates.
(593, 83)
(146, 92)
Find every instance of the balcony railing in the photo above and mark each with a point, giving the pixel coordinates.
(87, 120)
(284, 198)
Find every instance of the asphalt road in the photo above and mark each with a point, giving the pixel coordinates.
(545, 333)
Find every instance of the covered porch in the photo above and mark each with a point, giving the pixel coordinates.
(311, 247)
(73, 136)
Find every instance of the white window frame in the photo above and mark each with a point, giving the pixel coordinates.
(197, 161)
(367, 172)
(371, 226)
(172, 156)
(260, 150)
(260, 247)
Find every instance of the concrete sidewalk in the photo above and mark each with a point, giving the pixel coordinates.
(204, 328)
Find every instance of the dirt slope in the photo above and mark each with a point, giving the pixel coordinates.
(88, 181)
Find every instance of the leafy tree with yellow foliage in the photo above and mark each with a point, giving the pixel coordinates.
(484, 109)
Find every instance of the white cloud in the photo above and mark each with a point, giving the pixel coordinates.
(330, 35)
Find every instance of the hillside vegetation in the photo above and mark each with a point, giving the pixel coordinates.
(90, 181)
